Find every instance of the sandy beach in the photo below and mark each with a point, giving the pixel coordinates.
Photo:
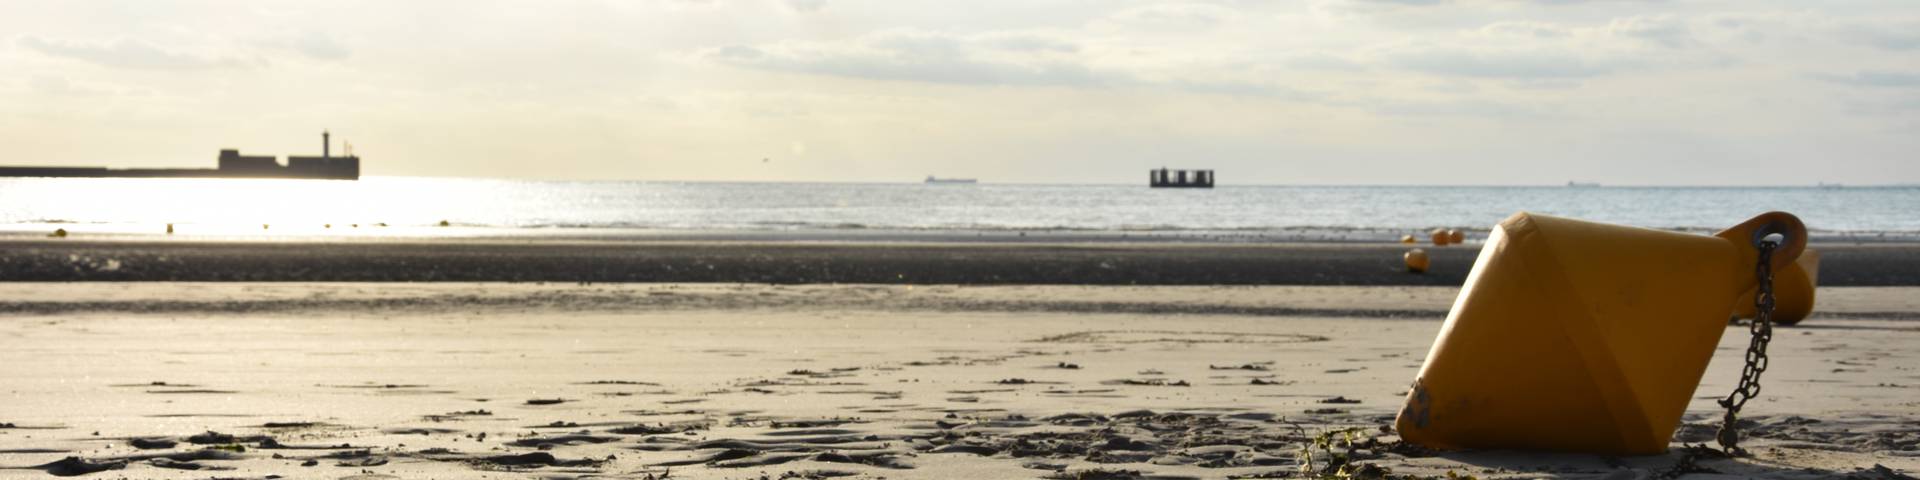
(491, 380)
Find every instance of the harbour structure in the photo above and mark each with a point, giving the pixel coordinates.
(1164, 178)
(231, 164)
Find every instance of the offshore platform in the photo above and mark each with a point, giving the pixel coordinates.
(231, 165)
(1164, 178)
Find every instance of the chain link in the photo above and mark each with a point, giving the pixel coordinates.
(1762, 330)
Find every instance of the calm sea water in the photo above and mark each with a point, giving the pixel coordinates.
(506, 206)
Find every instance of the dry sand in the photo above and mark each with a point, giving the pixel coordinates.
(728, 381)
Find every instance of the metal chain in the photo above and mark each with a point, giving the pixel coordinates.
(1762, 330)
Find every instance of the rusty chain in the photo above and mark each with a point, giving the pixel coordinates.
(1762, 330)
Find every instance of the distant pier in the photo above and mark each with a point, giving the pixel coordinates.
(1164, 178)
(231, 165)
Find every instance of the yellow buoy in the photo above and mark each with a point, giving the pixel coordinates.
(1416, 261)
(1456, 237)
(1407, 239)
(1793, 289)
(169, 229)
(58, 233)
(1439, 237)
(1585, 337)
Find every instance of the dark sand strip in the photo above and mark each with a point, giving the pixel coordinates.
(799, 262)
(825, 299)
(786, 263)
(629, 304)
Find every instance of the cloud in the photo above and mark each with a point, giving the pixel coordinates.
(1426, 9)
(1428, 3)
(1525, 29)
(1880, 79)
(312, 44)
(1175, 17)
(1890, 36)
(1027, 59)
(1512, 64)
(1324, 62)
(50, 85)
(1666, 30)
(1659, 30)
(923, 56)
(1528, 55)
(1027, 42)
(806, 6)
(128, 53)
(1533, 51)
(1577, 2)
(1396, 3)
(53, 85)
(1895, 107)
(1459, 108)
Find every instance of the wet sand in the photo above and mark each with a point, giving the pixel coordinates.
(451, 380)
(791, 262)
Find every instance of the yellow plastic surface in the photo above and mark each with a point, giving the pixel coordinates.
(1579, 336)
(1793, 291)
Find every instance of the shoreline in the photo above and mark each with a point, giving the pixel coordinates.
(1038, 262)
(1426, 303)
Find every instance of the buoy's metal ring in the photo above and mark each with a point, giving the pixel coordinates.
(1771, 228)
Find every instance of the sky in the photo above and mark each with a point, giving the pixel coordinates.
(1473, 92)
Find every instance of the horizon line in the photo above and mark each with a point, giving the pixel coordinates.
(1585, 185)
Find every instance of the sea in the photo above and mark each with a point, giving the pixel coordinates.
(417, 207)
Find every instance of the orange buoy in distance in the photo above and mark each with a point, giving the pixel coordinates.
(1417, 261)
(1456, 237)
(1440, 237)
(1407, 239)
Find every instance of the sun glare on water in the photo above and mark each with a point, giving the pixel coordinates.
(243, 207)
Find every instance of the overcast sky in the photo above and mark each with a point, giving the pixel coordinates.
(1284, 92)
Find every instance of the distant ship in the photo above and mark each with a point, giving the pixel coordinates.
(231, 165)
(1164, 178)
(1573, 184)
(933, 180)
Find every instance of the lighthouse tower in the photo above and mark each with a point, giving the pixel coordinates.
(326, 144)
